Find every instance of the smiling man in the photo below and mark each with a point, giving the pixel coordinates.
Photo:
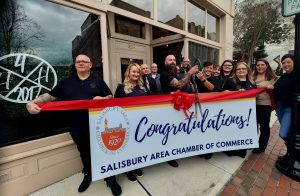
(82, 85)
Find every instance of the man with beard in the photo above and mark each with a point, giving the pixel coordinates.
(170, 82)
(168, 78)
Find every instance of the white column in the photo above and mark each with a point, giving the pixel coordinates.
(104, 46)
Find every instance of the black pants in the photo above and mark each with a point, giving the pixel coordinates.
(263, 113)
(83, 145)
(82, 140)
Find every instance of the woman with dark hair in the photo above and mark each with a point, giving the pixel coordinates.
(132, 86)
(226, 69)
(263, 76)
(226, 72)
(283, 90)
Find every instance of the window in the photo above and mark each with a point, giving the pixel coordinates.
(196, 19)
(203, 53)
(129, 27)
(43, 42)
(171, 12)
(143, 8)
(212, 27)
(160, 33)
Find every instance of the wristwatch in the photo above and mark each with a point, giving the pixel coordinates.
(203, 80)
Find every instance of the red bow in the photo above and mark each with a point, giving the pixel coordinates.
(182, 101)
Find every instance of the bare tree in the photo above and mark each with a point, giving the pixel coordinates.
(257, 23)
(16, 29)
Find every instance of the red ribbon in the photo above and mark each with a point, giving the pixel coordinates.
(182, 101)
(149, 100)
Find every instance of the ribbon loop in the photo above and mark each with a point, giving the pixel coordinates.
(182, 101)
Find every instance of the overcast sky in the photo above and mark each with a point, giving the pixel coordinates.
(60, 25)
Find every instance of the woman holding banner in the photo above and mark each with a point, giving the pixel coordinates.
(283, 90)
(132, 86)
(263, 76)
(241, 80)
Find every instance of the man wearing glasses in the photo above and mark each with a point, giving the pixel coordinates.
(80, 86)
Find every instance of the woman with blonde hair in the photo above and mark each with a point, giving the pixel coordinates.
(242, 76)
(241, 80)
(264, 76)
(132, 86)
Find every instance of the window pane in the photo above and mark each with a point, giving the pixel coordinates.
(212, 27)
(196, 20)
(129, 27)
(171, 12)
(159, 32)
(203, 53)
(143, 8)
(46, 38)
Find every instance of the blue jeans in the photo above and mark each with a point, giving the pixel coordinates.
(284, 115)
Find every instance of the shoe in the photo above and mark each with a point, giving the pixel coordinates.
(242, 153)
(173, 163)
(206, 156)
(112, 183)
(138, 173)
(228, 153)
(131, 177)
(85, 183)
(257, 151)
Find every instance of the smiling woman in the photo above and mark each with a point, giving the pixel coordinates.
(44, 56)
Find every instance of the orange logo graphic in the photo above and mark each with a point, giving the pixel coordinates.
(113, 138)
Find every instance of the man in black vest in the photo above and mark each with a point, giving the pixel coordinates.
(170, 82)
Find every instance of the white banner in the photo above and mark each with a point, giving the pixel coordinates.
(124, 139)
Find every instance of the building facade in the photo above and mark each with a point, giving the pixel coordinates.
(38, 43)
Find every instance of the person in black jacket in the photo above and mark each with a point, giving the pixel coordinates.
(156, 76)
(205, 81)
(226, 72)
(132, 86)
(283, 90)
(241, 80)
(82, 85)
(170, 82)
(149, 82)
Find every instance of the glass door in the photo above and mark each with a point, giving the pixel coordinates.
(127, 61)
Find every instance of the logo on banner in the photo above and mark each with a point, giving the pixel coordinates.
(112, 130)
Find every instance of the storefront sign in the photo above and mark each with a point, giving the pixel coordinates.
(125, 138)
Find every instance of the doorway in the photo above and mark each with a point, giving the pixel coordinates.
(160, 53)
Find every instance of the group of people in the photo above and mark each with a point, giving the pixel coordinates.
(140, 81)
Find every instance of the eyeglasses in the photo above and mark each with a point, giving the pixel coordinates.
(227, 65)
(85, 62)
(238, 69)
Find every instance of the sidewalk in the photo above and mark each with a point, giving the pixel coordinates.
(221, 175)
(259, 176)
